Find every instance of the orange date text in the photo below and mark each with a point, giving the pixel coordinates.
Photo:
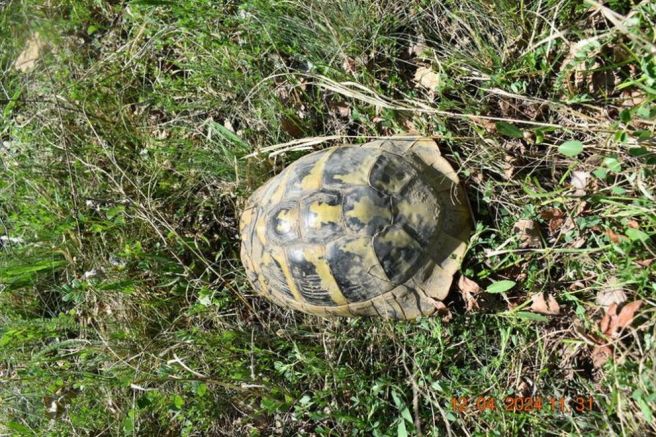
(525, 404)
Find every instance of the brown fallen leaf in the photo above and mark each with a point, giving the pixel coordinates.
(349, 65)
(508, 168)
(604, 323)
(545, 306)
(599, 355)
(442, 311)
(554, 217)
(612, 236)
(645, 262)
(469, 289)
(427, 78)
(529, 233)
(27, 59)
(633, 224)
(340, 109)
(576, 285)
(486, 124)
(613, 322)
(291, 126)
(627, 313)
(630, 98)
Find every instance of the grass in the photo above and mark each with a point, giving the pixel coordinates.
(125, 160)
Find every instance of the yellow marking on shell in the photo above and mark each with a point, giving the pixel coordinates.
(286, 220)
(365, 209)
(289, 278)
(260, 229)
(360, 174)
(397, 238)
(364, 249)
(245, 219)
(262, 287)
(317, 257)
(395, 184)
(279, 192)
(322, 213)
(313, 180)
(267, 259)
(419, 211)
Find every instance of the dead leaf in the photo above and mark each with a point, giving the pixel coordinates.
(349, 65)
(633, 224)
(579, 181)
(630, 98)
(581, 208)
(291, 126)
(578, 243)
(467, 285)
(469, 289)
(605, 323)
(576, 285)
(340, 109)
(410, 127)
(477, 176)
(427, 78)
(612, 322)
(507, 109)
(508, 167)
(627, 313)
(486, 124)
(611, 293)
(615, 238)
(554, 217)
(645, 262)
(545, 306)
(599, 355)
(602, 81)
(442, 310)
(529, 233)
(27, 59)
(419, 49)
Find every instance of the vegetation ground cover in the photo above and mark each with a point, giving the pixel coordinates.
(131, 133)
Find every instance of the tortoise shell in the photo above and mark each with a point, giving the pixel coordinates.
(376, 229)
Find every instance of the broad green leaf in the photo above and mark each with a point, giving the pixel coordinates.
(571, 148)
(531, 316)
(178, 401)
(636, 235)
(500, 286)
(625, 116)
(601, 173)
(509, 130)
(406, 415)
(613, 164)
(201, 389)
(637, 395)
(401, 431)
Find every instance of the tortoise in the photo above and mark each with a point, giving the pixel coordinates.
(377, 229)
